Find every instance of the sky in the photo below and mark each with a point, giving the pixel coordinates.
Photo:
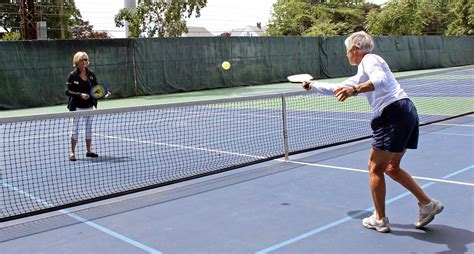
(218, 16)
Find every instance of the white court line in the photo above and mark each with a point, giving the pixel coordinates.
(365, 171)
(83, 220)
(282, 160)
(447, 134)
(181, 146)
(348, 218)
(456, 125)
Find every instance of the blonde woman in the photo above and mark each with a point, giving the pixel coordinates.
(78, 85)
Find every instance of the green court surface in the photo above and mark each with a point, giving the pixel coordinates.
(443, 106)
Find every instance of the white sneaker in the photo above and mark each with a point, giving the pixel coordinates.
(379, 225)
(428, 212)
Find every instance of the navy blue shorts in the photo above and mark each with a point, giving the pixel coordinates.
(397, 128)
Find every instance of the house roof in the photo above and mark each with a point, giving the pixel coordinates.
(197, 31)
(247, 29)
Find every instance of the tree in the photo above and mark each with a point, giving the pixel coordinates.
(225, 34)
(290, 18)
(13, 36)
(396, 18)
(45, 11)
(463, 23)
(9, 16)
(85, 31)
(435, 15)
(49, 11)
(317, 18)
(422, 17)
(162, 18)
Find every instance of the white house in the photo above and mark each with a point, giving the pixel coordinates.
(248, 31)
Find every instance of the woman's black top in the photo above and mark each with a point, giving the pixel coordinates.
(75, 86)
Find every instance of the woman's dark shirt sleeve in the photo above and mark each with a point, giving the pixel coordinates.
(71, 89)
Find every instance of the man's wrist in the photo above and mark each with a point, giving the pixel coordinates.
(355, 91)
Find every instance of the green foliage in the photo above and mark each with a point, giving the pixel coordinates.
(9, 16)
(162, 18)
(435, 16)
(396, 18)
(45, 11)
(423, 17)
(463, 23)
(49, 11)
(325, 28)
(317, 18)
(13, 36)
(85, 31)
(290, 18)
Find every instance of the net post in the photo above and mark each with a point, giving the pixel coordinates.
(285, 127)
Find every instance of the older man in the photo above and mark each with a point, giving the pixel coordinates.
(394, 125)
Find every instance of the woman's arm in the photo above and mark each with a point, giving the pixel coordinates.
(70, 86)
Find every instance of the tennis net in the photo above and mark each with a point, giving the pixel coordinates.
(150, 146)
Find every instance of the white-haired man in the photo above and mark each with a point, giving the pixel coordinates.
(395, 127)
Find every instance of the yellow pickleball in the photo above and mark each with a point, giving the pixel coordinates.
(225, 65)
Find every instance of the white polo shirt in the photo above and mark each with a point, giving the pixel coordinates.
(373, 68)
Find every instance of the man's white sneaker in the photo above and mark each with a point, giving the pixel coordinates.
(379, 225)
(428, 212)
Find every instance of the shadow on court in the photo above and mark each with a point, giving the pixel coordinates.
(455, 239)
(106, 158)
(359, 215)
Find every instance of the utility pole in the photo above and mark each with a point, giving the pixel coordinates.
(28, 24)
(61, 18)
(131, 5)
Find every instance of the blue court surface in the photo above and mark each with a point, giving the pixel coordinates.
(312, 203)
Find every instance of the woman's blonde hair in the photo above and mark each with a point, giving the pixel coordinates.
(361, 40)
(78, 57)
